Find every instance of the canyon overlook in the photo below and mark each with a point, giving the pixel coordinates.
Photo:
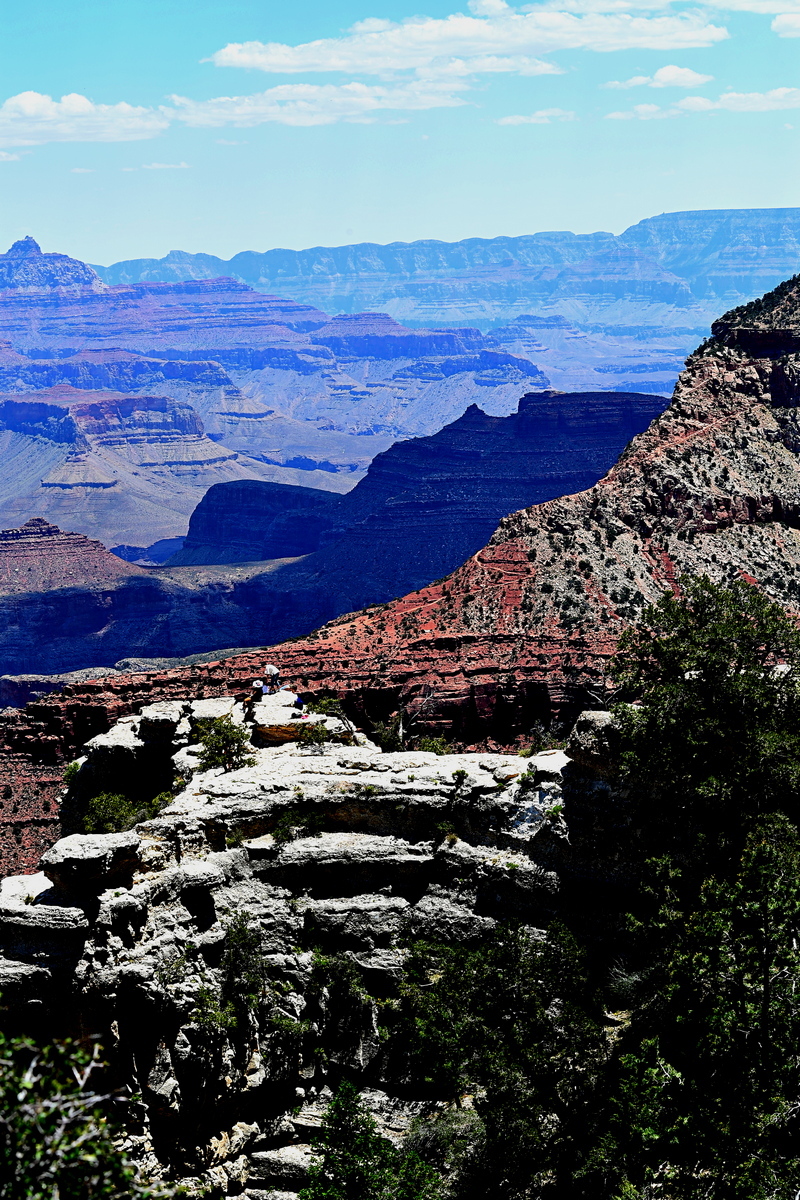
(520, 633)
(286, 393)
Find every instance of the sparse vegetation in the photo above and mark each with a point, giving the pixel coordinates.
(225, 744)
(57, 1133)
(433, 745)
(111, 812)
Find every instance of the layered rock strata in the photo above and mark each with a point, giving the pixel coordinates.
(426, 504)
(520, 631)
(673, 269)
(122, 935)
(116, 465)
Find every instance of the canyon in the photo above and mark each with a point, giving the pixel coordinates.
(264, 561)
(519, 635)
(675, 268)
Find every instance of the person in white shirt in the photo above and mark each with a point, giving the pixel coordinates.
(273, 675)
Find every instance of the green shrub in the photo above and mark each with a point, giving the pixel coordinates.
(224, 744)
(309, 823)
(242, 978)
(111, 812)
(387, 735)
(355, 1163)
(211, 1013)
(56, 1132)
(70, 771)
(433, 745)
(313, 734)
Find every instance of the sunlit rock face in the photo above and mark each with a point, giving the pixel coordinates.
(330, 851)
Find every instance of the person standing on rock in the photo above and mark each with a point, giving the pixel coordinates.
(273, 675)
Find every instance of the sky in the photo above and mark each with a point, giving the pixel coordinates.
(129, 128)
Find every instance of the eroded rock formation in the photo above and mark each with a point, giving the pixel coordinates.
(521, 630)
(123, 467)
(425, 506)
(124, 934)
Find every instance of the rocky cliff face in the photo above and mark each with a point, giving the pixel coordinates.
(676, 269)
(249, 522)
(124, 934)
(125, 467)
(428, 503)
(425, 506)
(711, 487)
(24, 267)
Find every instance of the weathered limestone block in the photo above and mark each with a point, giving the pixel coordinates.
(285, 1168)
(594, 742)
(337, 864)
(356, 922)
(437, 918)
(159, 722)
(91, 863)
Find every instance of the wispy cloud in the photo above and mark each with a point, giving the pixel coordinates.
(317, 104)
(6, 157)
(156, 166)
(82, 170)
(542, 117)
(494, 30)
(643, 112)
(670, 76)
(776, 100)
(31, 119)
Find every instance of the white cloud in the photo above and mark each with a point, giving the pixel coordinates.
(773, 101)
(643, 112)
(764, 7)
(776, 100)
(787, 25)
(670, 76)
(6, 157)
(156, 166)
(317, 104)
(378, 47)
(30, 119)
(487, 8)
(542, 117)
(82, 170)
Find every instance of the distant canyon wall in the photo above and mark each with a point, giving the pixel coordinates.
(677, 269)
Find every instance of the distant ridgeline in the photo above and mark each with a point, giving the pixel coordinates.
(122, 404)
(677, 269)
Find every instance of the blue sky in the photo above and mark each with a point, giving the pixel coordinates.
(132, 127)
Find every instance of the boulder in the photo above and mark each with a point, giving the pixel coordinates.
(594, 742)
(90, 863)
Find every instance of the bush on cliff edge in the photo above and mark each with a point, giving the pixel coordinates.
(56, 1132)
